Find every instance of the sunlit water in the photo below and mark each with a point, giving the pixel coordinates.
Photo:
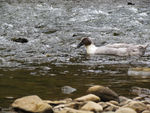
(50, 59)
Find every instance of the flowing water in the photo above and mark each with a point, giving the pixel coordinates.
(50, 60)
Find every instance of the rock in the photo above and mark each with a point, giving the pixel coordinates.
(139, 71)
(125, 110)
(130, 3)
(92, 106)
(32, 104)
(103, 104)
(146, 111)
(116, 34)
(104, 93)
(70, 110)
(148, 106)
(49, 31)
(54, 103)
(21, 40)
(124, 100)
(108, 112)
(67, 90)
(140, 91)
(114, 102)
(74, 105)
(111, 107)
(89, 97)
(137, 106)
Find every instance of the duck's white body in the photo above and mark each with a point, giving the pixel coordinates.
(120, 49)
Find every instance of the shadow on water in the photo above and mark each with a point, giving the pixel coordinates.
(49, 59)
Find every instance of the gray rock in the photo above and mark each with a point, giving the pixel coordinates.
(140, 91)
(105, 93)
(67, 90)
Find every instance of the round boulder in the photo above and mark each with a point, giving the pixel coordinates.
(32, 104)
(105, 93)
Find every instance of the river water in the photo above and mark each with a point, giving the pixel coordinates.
(50, 60)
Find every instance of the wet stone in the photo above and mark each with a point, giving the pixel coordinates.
(116, 34)
(20, 40)
(49, 31)
(140, 91)
(105, 93)
(67, 90)
(130, 3)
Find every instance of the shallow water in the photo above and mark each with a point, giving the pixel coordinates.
(50, 60)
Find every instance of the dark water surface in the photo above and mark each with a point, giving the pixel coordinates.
(50, 60)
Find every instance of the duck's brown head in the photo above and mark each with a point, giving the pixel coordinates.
(84, 41)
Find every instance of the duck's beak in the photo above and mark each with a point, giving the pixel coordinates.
(80, 44)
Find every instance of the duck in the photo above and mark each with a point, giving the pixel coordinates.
(117, 49)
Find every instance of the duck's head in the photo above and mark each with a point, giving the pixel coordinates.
(85, 41)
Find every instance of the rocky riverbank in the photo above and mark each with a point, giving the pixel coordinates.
(99, 99)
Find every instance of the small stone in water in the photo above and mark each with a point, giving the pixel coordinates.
(67, 90)
(116, 34)
(130, 3)
(21, 40)
(9, 97)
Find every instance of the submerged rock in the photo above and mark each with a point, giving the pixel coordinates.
(139, 71)
(32, 104)
(67, 90)
(104, 93)
(89, 97)
(21, 40)
(49, 31)
(92, 106)
(140, 91)
(130, 3)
